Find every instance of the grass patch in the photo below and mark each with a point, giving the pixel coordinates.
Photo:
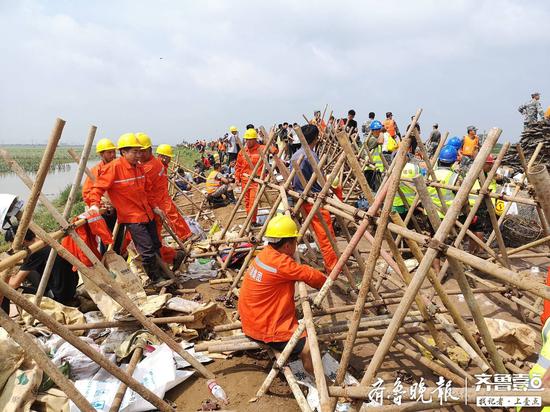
(29, 157)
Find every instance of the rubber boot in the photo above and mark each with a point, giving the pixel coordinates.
(178, 260)
(152, 270)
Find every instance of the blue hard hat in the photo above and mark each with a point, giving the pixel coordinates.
(448, 154)
(375, 125)
(455, 142)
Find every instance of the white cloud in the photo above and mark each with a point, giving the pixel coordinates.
(190, 69)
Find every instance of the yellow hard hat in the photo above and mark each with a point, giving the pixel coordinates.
(233, 129)
(165, 149)
(250, 134)
(144, 139)
(128, 140)
(335, 182)
(103, 145)
(281, 226)
(499, 207)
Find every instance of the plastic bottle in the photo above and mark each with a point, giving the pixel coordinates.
(217, 391)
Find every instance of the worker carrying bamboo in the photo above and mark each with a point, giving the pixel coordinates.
(532, 110)
(311, 134)
(218, 187)
(124, 180)
(156, 173)
(374, 167)
(106, 150)
(251, 152)
(165, 154)
(469, 149)
(266, 298)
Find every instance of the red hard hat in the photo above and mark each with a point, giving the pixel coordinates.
(490, 159)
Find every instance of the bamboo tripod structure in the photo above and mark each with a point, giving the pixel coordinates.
(370, 258)
(384, 229)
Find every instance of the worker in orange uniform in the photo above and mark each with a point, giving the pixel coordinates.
(391, 126)
(106, 150)
(155, 174)
(253, 149)
(266, 297)
(469, 149)
(311, 134)
(165, 155)
(124, 180)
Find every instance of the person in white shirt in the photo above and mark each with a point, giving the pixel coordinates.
(232, 147)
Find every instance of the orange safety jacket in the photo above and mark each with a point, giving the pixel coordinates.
(157, 181)
(88, 184)
(242, 167)
(266, 298)
(127, 188)
(469, 146)
(89, 238)
(389, 125)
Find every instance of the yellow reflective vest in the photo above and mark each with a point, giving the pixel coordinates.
(410, 171)
(445, 176)
(376, 155)
(212, 184)
(472, 198)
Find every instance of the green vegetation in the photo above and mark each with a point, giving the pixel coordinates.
(186, 157)
(29, 157)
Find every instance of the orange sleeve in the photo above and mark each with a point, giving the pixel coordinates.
(239, 166)
(88, 184)
(103, 182)
(290, 269)
(152, 182)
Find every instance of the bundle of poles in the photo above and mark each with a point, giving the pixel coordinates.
(379, 316)
(391, 305)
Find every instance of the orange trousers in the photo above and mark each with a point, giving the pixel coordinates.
(167, 253)
(249, 197)
(178, 222)
(329, 255)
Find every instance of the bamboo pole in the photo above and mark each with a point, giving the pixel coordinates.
(39, 179)
(431, 253)
(539, 177)
(129, 323)
(458, 271)
(320, 380)
(81, 345)
(119, 396)
(32, 350)
(475, 207)
(66, 212)
(383, 221)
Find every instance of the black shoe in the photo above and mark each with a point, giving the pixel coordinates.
(153, 271)
(178, 260)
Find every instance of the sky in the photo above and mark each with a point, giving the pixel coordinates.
(190, 69)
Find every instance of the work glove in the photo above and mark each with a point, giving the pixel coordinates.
(159, 212)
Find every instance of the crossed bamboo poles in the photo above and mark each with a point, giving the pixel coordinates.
(383, 226)
(435, 246)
